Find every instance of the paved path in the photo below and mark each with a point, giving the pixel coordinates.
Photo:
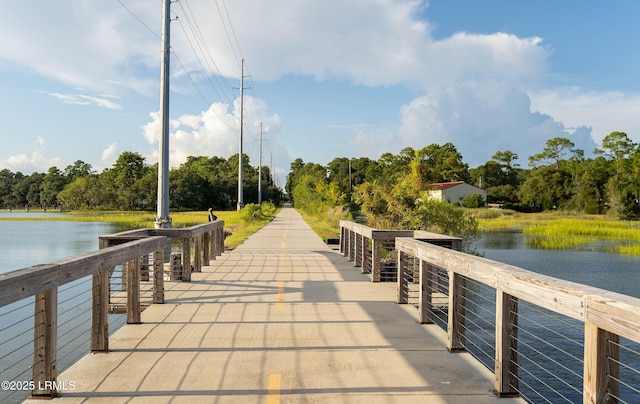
(283, 318)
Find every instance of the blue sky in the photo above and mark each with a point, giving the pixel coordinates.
(331, 78)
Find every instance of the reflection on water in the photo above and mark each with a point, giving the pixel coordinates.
(615, 272)
(546, 338)
(27, 243)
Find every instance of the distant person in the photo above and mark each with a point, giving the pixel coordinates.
(212, 216)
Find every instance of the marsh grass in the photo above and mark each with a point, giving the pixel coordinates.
(560, 231)
(237, 228)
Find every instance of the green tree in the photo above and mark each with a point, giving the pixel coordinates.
(554, 152)
(52, 183)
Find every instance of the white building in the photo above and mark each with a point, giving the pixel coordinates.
(454, 191)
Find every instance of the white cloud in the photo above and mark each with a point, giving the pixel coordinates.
(375, 43)
(605, 112)
(479, 118)
(81, 99)
(35, 161)
(107, 158)
(214, 132)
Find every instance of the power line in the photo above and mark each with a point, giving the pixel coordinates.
(139, 20)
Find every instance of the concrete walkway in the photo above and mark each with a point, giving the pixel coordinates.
(283, 318)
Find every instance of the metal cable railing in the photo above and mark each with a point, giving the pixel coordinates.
(545, 350)
(75, 295)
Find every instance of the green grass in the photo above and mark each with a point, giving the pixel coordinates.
(235, 226)
(560, 231)
(321, 227)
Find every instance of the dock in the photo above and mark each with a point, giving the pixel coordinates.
(284, 318)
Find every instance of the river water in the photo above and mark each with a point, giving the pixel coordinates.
(544, 338)
(26, 243)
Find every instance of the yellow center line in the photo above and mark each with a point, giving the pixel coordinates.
(280, 294)
(274, 388)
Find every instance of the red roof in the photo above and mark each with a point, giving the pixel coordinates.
(445, 185)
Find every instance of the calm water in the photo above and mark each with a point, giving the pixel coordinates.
(615, 272)
(26, 243)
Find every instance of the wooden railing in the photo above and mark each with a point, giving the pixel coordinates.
(126, 248)
(606, 316)
(362, 244)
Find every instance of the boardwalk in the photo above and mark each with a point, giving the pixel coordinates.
(283, 318)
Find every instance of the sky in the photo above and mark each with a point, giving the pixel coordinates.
(80, 80)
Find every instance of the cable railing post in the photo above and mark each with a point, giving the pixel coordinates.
(158, 277)
(206, 244)
(357, 262)
(601, 365)
(100, 311)
(186, 259)
(45, 343)
(220, 239)
(425, 300)
(133, 292)
(506, 360)
(366, 260)
(403, 286)
(455, 326)
(197, 254)
(375, 261)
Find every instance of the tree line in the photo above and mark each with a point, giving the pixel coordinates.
(131, 184)
(558, 177)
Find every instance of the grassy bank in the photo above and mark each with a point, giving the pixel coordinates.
(235, 225)
(560, 231)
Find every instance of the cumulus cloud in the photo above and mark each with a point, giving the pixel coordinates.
(479, 118)
(215, 132)
(375, 43)
(35, 161)
(108, 155)
(604, 112)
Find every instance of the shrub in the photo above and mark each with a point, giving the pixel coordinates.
(251, 212)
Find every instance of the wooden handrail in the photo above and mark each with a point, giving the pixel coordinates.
(124, 248)
(606, 315)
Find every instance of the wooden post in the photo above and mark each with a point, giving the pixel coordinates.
(186, 259)
(365, 261)
(158, 277)
(506, 365)
(220, 241)
(133, 291)
(357, 259)
(100, 311)
(206, 244)
(601, 368)
(45, 343)
(375, 261)
(349, 245)
(403, 286)
(197, 255)
(100, 307)
(425, 301)
(455, 326)
(213, 248)
(144, 268)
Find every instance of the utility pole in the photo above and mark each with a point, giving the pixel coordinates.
(163, 220)
(240, 197)
(273, 178)
(260, 169)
